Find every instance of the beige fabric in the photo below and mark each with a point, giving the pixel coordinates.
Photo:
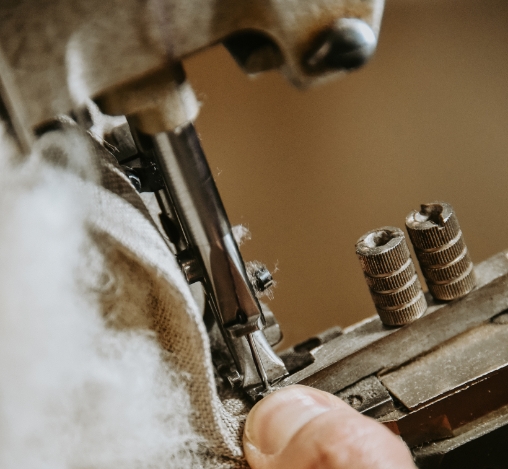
(153, 288)
(131, 271)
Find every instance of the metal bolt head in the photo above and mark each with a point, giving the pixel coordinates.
(263, 278)
(134, 180)
(347, 45)
(260, 278)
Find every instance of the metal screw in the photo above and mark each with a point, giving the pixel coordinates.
(348, 44)
(391, 276)
(260, 277)
(264, 279)
(441, 251)
(134, 179)
(190, 266)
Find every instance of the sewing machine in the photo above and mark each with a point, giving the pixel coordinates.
(126, 56)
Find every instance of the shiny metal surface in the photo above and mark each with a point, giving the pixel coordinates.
(451, 367)
(460, 362)
(369, 347)
(439, 246)
(348, 44)
(210, 244)
(369, 397)
(204, 220)
(440, 383)
(439, 393)
(391, 276)
(448, 414)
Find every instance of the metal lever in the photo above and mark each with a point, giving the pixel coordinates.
(190, 196)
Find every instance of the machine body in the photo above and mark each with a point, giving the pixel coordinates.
(438, 381)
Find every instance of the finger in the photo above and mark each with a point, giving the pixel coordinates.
(303, 428)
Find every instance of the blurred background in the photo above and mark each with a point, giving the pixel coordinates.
(308, 172)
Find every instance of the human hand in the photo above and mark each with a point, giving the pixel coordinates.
(303, 428)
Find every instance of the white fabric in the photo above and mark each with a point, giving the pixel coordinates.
(104, 356)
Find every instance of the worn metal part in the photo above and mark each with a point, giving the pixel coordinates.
(263, 279)
(228, 369)
(448, 413)
(479, 445)
(440, 382)
(195, 197)
(369, 347)
(461, 361)
(173, 165)
(126, 54)
(272, 330)
(369, 397)
(464, 428)
(455, 384)
(348, 44)
(301, 355)
(391, 276)
(209, 253)
(57, 55)
(441, 251)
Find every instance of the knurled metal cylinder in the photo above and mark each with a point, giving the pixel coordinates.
(441, 251)
(391, 276)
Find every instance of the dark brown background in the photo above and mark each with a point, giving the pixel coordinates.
(309, 172)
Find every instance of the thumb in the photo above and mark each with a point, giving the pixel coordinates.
(303, 428)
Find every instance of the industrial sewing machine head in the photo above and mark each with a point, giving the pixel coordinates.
(126, 56)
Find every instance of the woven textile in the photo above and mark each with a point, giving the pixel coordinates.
(131, 273)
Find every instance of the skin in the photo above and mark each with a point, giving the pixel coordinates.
(304, 428)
